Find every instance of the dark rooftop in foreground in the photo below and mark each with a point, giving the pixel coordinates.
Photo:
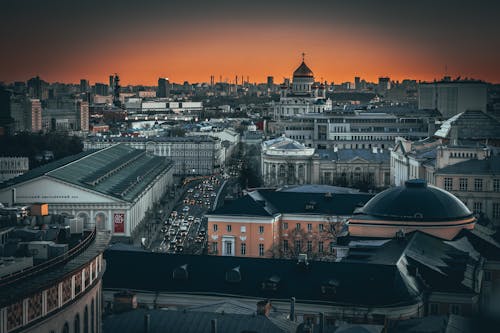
(270, 202)
(165, 321)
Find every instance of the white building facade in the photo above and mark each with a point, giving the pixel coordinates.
(111, 189)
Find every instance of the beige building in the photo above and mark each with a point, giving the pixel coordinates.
(475, 182)
(283, 224)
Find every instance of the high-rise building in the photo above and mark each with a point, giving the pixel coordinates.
(357, 83)
(453, 97)
(163, 87)
(384, 83)
(36, 88)
(5, 110)
(101, 89)
(84, 86)
(34, 115)
(270, 82)
(83, 115)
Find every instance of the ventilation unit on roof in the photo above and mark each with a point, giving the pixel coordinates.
(234, 275)
(302, 261)
(180, 273)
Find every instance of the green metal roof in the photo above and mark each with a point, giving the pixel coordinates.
(118, 171)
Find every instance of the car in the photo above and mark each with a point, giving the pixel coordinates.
(179, 249)
(197, 220)
(185, 209)
(172, 232)
(190, 190)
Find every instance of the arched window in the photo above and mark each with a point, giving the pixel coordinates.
(86, 220)
(65, 328)
(76, 328)
(100, 221)
(282, 171)
(301, 172)
(86, 319)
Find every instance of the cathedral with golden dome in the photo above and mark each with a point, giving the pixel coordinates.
(303, 95)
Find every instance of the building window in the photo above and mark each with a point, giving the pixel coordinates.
(478, 185)
(285, 245)
(496, 185)
(487, 276)
(463, 184)
(229, 228)
(320, 227)
(76, 328)
(455, 309)
(92, 317)
(243, 249)
(298, 245)
(214, 247)
(433, 308)
(496, 209)
(229, 248)
(285, 225)
(477, 207)
(65, 328)
(86, 319)
(243, 229)
(332, 247)
(309, 246)
(261, 229)
(309, 227)
(261, 250)
(215, 227)
(297, 226)
(448, 184)
(320, 247)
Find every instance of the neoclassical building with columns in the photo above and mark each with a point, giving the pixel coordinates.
(287, 162)
(111, 189)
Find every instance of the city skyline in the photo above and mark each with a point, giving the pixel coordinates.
(193, 40)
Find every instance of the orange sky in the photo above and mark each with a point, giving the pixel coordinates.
(142, 43)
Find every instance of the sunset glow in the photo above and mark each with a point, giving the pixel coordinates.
(190, 43)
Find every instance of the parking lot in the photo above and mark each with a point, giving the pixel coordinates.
(184, 231)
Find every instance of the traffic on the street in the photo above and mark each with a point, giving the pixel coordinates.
(185, 229)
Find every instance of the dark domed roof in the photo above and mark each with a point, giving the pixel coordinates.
(416, 201)
(303, 71)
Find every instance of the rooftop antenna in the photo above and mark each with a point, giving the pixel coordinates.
(303, 56)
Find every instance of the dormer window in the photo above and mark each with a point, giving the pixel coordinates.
(234, 275)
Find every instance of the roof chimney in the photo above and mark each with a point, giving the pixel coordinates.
(292, 309)
(147, 323)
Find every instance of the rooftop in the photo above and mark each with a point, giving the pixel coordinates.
(489, 166)
(270, 202)
(415, 201)
(118, 171)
